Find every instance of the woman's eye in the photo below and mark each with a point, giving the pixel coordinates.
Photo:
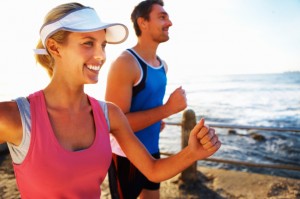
(89, 43)
(103, 46)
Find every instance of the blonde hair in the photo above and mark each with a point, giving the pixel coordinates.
(47, 61)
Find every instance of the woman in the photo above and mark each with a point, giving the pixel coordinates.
(59, 136)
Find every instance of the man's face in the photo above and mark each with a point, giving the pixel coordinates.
(158, 24)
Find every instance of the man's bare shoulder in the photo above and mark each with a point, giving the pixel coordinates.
(125, 65)
(125, 59)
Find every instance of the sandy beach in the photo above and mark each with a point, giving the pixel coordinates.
(211, 184)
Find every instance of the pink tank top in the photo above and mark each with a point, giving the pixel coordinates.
(50, 171)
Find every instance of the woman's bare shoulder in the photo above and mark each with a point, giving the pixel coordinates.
(116, 116)
(113, 110)
(9, 111)
(10, 122)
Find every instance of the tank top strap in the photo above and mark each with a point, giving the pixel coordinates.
(99, 113)
(136, 89)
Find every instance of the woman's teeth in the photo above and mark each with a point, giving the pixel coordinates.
(92, 67)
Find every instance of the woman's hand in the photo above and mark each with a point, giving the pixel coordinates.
(203, 142)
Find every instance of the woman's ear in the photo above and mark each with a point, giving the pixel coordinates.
(52, 47)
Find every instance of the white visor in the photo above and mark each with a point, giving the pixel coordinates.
(83, 20)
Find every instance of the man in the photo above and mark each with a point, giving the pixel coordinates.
(136, 83)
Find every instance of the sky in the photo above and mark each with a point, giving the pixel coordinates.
(208, 37)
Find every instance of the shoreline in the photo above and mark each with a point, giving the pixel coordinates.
(212, 184)
(226, 184)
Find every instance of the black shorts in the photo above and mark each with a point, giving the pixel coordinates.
(126, 181)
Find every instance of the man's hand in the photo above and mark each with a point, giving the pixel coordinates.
(177, 101)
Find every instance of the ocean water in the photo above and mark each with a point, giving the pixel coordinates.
(264, 100)
(267, 100)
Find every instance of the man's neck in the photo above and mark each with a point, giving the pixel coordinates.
(147, 51)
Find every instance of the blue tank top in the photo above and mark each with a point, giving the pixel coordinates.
(148, 94)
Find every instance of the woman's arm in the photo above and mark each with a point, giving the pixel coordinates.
(203, 142)
(10, 123)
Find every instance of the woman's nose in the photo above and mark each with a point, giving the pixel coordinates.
(100, 54)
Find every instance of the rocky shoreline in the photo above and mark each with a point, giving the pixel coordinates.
(211, 184)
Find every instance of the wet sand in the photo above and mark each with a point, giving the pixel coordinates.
(210, 184)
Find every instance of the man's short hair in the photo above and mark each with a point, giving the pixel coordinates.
(143, 10)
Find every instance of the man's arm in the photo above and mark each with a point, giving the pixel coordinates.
(122, 76)
(203, 142)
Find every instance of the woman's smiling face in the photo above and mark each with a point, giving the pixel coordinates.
(83, 55)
